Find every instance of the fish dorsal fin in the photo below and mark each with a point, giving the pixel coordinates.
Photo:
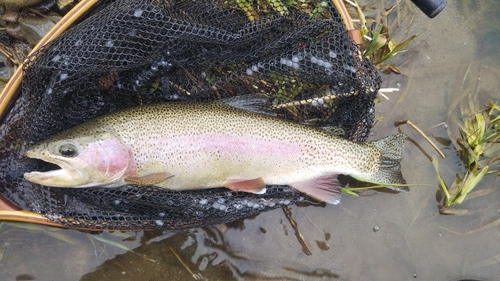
(256, 186)
(254, 103)
(334, 130)
(325, 188)
(150, 179)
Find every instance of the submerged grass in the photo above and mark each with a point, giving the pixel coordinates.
(478, 146)
(111, 242)
(56, 233)
(64, 236)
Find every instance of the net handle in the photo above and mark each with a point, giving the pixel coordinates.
(346, 18)
(10, 212)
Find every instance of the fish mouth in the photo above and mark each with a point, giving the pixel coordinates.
(44, 166)
(52, 172)
(45, 178)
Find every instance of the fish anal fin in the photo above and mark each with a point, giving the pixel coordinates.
(150, 179)
(256, 186)
(325, 188)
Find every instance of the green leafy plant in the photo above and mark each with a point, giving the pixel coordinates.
(478, 145)
(377, 43)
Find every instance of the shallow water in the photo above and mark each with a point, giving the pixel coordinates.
(376, 236)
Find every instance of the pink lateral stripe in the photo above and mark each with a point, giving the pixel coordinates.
(232, 144)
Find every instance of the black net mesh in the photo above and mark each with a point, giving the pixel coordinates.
(129, 52)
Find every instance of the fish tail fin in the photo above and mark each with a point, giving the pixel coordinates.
(391, 149)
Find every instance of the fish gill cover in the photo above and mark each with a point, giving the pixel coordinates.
(129, 52)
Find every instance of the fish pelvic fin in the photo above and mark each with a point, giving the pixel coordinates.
(255, 186)
(391, 149)
(325, 188)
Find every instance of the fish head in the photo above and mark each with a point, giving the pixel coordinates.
(99, 159)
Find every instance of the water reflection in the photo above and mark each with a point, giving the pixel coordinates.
(204, 254)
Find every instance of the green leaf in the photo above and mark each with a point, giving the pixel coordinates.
(362, 20)
(392, 68)
(443, 186)
(396, 49)
(370, 49)
(377, 43)
(348, 191)
(391, 45)
(470, 182)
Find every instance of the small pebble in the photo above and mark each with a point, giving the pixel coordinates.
(14, 31)
(15, 5)
(35, 27)
(376, 228)
(10, 16)
(45, 6)
(65, 5)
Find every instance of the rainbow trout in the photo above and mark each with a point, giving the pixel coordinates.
(183, 146)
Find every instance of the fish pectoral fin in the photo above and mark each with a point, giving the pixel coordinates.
(150, 179)
(256, 186)
(325, 188)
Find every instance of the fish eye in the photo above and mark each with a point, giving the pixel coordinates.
(68, 150)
